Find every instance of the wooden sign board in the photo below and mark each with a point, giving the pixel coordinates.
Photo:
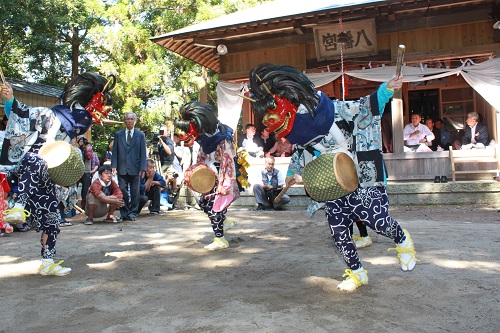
(361, 40)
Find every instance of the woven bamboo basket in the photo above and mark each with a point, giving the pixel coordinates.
(64, 162)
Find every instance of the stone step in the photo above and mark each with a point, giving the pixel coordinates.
(400, 193)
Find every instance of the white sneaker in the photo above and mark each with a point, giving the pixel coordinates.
(354, 279)
(229, 224)
(48, 267)
(218, 244)
(406, 253)
(362, 242)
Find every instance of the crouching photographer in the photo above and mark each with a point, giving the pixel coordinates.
(272, 184)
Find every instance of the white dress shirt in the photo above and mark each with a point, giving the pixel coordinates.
(424, 132)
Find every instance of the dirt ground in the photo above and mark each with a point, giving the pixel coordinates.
(279, 275)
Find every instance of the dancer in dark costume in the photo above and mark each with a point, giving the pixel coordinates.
(217, 151)
(85, 97)
(292, 108)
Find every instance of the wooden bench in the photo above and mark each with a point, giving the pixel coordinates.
(473, 161)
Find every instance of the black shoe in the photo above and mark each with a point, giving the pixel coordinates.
(444, 179)
(156, 213)
(132, 218)
(260, 207)
(437, 179)
(22, 228)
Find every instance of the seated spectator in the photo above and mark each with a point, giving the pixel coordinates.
(475, 134)
(252, 144)
(416, 133)
(272, 184)
(268, 140)
(282, 148)
(437, 134)
(445, 136)
(104, 197)
(97, 176)
(152, 183)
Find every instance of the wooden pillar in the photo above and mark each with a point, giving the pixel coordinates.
(397, 122)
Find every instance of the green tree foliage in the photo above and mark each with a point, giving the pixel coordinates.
(48, 41)
(15, 17)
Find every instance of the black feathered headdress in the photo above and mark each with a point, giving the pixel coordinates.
(91, 91)
(196, 119)
(267, 80)
(84, 86)
(201, 115)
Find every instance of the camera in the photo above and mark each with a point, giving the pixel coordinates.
(154, 138)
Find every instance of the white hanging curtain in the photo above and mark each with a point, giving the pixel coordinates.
(320, 79)
(229, 103)
(483, 77)
(410, 74)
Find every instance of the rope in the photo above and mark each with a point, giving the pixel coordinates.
(342, 62)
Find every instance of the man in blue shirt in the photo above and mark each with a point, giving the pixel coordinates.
(444, 139)
(152, 183)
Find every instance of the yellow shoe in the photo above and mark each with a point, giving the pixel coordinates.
(362, 242)
(406, 253)
(16, 215)
(49, 267)
(218, 244)
(354, 279)
(229, 224)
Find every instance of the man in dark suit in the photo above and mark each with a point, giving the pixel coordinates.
(128, 160)
(480, 131)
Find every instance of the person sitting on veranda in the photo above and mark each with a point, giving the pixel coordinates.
(253, 144)
(475, 134)
(282, 148)
(416, 133)
(434, 144)
(445, 135)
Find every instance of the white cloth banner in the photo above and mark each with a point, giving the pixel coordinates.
(483, 77)
(229, 103)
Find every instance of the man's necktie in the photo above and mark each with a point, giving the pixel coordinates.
(129, 138)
